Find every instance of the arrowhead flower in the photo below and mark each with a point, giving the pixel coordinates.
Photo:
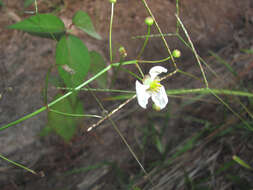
(151, 87)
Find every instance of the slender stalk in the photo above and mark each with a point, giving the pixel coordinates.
(110, 32)
(154, 35)
(194, 50)
(117, 129)
(110, 114)
(229, 108)
(177, 8)
(155, 61)
(130, 149)
(142, 50)
(19, 165)
(36, 6)
(74, 115)
(65, 95)
(99, 90)
(160, 31)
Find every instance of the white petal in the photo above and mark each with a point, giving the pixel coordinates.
(160, 98)
(142, 94)
(156, 70)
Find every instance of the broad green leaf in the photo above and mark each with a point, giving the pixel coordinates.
(55, 81)
(27, 3)
(43, 25)
(73, 60)
(83, 21)
(98, 64)
(64, 126)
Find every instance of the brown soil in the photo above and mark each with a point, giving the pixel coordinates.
(224, 27)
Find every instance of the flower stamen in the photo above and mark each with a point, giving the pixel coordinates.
(154, 86)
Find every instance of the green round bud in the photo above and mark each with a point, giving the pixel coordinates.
(113, 1)
(156, 108)
(176, 53)
(122, 52)
(149, 21)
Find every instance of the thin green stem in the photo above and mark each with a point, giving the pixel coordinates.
(154, 35)
(117, 129)
(160, 31)
(65, 95)
(111, 113)
(19, 165)
(74, 115)
(99, 90)
(155, 61)
(229, 108)
(142, 50)
(133, 74)
(200, 58)
(193, 49)
(110, 32)
(36, 6)
(208, 90)
(189, 74)
(177, 8)
(130, 149)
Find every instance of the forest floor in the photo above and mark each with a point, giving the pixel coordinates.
(99, 160)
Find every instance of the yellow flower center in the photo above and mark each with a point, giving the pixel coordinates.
(154, 86)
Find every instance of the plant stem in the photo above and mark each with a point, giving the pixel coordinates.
(110, 33)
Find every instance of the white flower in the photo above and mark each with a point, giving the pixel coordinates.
(151, 87)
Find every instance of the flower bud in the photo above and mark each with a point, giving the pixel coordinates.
(149, 21)
(122, 51)
(156, 108)
(176, 53)
(113, 1)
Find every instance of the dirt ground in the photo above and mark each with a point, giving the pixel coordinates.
(224, 27)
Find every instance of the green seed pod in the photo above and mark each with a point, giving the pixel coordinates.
(156, 108)
(176, 53)
(113, 1)
(122, 52)
(149, 21)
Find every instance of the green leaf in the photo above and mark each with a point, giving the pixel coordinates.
(43, 25)
(46, 131)
(98, 64)
(159, 144)
(64, 126)
(1, 3)
(27, 3)
(248, 51)
(241, 162)
(83, 21)
(73, 60)
(136, 188)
